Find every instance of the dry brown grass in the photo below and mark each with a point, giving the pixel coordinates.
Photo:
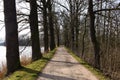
(25, 60)
(3, 71)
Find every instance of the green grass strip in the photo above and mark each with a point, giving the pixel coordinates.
(31, 71)
(96, 72)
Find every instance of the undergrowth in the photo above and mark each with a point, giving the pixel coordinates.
(95, 71)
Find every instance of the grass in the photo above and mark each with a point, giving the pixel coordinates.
(24, 61)
(31, 71)
(96, 72)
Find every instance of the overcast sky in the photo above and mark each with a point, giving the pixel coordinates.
(20, 7)
(2, 29)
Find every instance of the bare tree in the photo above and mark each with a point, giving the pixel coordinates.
(45, 24)
(12, 55)
(36, 52)
(93, 35)
(51, 25)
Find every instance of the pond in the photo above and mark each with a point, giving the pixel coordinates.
(24, 51)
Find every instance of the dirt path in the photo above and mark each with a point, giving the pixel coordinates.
(64, 67)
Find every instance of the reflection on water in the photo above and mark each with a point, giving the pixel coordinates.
(27, 52)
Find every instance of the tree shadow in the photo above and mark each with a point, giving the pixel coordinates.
(45, 58)
(54, 77)
(73, 63)
(29, 70)
(83, 63)
(60, 61)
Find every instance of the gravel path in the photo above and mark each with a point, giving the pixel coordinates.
(64, 67)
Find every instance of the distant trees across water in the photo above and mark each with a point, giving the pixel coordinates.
(23, 41)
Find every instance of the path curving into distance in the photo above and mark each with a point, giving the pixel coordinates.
(64, 67)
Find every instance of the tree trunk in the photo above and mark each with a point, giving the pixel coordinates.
(36, 52)
(58, 38)
(77, 32)
(12, 46)
(45, 24)
(72, 32)
(77, 22)
(93, 35)
(51, 26)
(83, 39)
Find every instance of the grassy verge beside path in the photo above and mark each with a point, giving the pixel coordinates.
(31, 71)
(96, 72)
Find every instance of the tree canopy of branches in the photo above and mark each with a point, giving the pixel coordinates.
(90, 28)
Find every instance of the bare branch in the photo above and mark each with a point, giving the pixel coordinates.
(62, 5)
(106, 10)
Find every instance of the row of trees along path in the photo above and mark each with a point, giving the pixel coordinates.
(64, 67)
(11, 27)
(87, 27)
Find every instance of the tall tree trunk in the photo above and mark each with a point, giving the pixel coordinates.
(12, 46)
(72, 29)
(51, 26)
(77, 33)
(83, 39)
(36, 52)
(77, 22)
(58, 38)
(93, 35)
(45, 24)
(72, 37)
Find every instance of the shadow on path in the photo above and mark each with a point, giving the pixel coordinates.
(64, 67)
(64, 62)
(55, 77)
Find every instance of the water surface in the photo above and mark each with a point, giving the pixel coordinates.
(24, 51)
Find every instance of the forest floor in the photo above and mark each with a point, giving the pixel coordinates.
(64, 67)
